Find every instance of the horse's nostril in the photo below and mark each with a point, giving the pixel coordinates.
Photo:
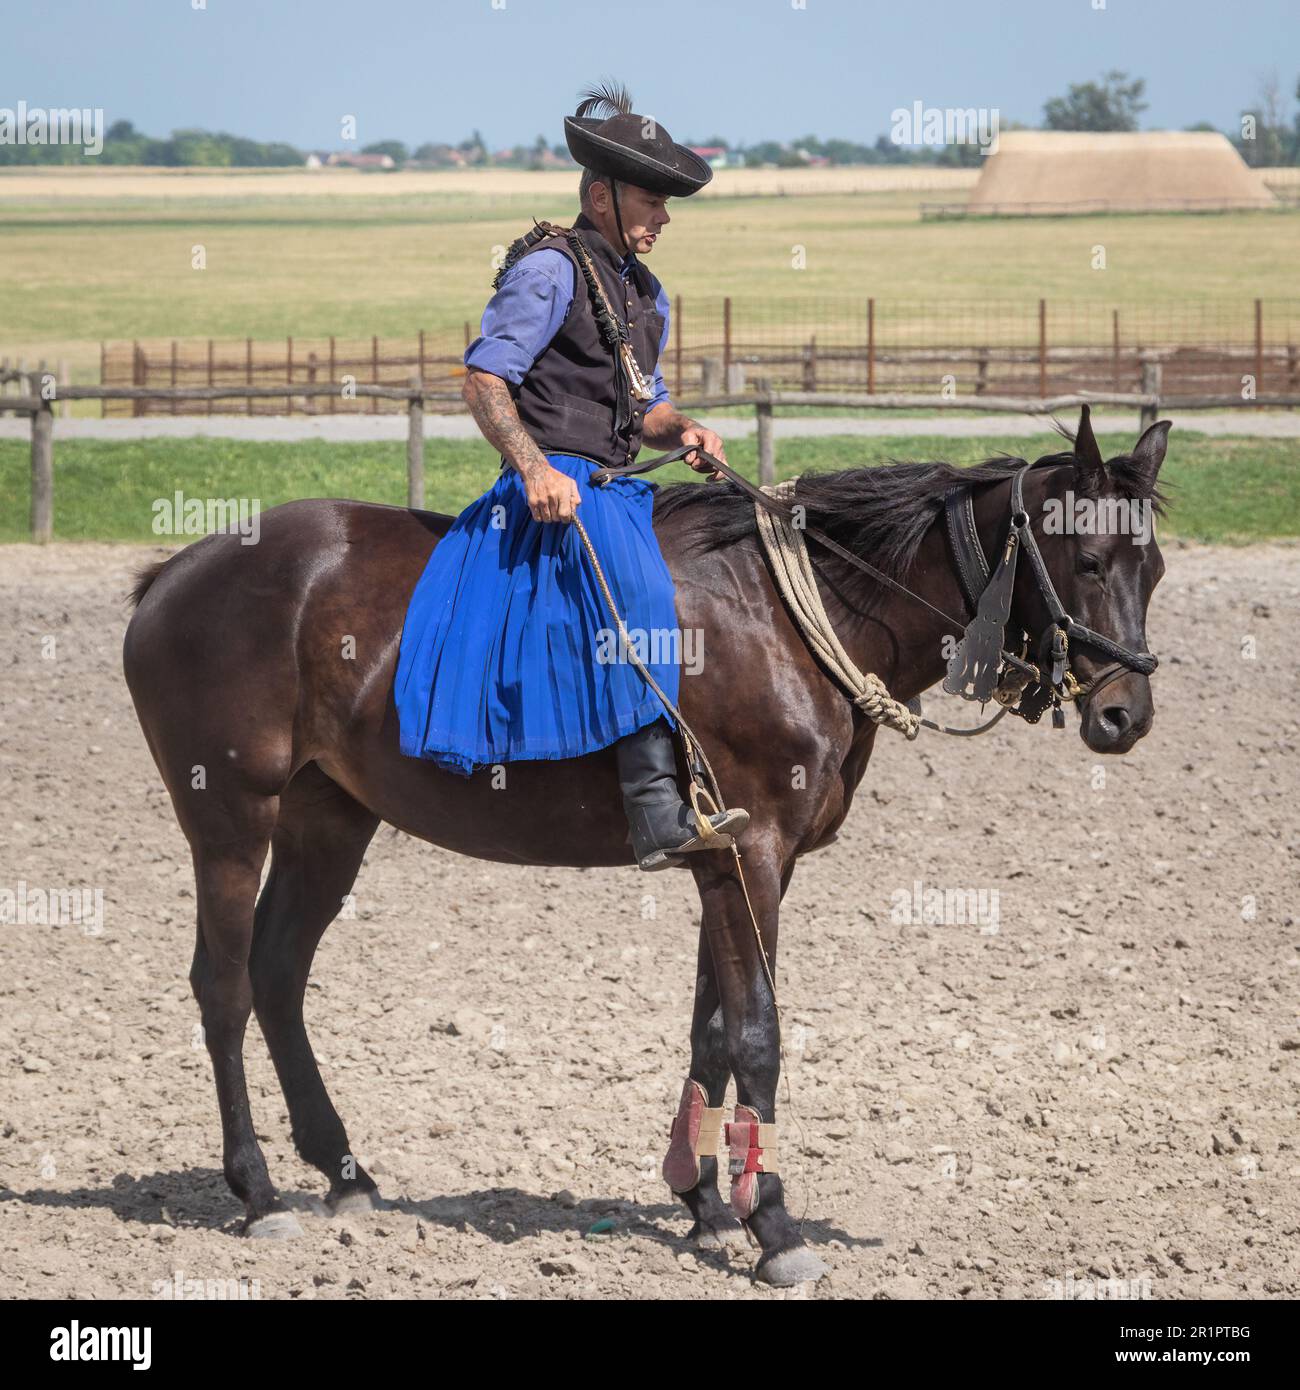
(1118, 717)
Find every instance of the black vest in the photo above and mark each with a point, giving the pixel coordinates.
(566, 402)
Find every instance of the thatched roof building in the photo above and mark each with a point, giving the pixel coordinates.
(1050, 171)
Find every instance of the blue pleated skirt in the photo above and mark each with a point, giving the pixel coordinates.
(508, 650)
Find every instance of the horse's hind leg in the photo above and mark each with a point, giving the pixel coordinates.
(317, 849)
(226, 874)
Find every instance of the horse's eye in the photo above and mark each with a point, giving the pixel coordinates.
(1090, 565)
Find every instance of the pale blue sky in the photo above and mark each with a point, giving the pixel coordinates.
(433, 69)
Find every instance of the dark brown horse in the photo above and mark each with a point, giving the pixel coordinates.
(262, 678)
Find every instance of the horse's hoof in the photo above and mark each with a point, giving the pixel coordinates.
(355, 1203)
(276, 1225)
(789, 1267)
(718, 1237)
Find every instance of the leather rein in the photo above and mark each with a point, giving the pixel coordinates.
(982, 668)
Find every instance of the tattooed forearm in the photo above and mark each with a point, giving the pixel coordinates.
(489, 402)
(667, 428)
(663, 427)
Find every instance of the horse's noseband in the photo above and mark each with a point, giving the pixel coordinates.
(982, 668)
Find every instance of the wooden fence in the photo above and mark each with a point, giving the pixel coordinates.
(415, 396)
(720, 344)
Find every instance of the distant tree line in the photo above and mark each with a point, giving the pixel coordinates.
(1266, 135)
(123, 144)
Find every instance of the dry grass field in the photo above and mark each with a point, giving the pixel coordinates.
(90, 255)
(125, 182)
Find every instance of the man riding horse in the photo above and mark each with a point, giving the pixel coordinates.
(500, 655)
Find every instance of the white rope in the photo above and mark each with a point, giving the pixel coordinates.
(787, 552)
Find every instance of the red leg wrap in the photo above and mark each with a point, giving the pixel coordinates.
(745, 1165)
(681, 1164)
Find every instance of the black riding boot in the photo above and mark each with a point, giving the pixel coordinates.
(663, 826)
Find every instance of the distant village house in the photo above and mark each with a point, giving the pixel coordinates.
(318, 160)
(715, 156)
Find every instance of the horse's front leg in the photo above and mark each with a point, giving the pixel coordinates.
(691, 1167)
(752, 1040)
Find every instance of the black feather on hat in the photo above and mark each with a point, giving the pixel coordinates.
(633, 149)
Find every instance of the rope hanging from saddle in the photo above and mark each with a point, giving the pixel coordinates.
(697, 762)
(753, 1146)
(792, 567)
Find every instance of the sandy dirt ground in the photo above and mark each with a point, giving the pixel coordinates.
(1091, 1090)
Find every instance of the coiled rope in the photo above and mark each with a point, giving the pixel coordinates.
(787, 554)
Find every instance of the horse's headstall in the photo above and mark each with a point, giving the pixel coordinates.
(981, 668)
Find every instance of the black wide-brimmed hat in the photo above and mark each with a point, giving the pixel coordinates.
(633, 149)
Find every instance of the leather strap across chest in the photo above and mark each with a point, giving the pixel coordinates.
(971, 563)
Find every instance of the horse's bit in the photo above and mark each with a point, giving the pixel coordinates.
(981, 668)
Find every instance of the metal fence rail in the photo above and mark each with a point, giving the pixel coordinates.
(293, 365)
(810, 343)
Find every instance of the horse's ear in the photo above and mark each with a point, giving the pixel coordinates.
(1091, 465)
(1149, 453)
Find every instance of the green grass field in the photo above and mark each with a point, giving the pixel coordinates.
(1220, 489)
(80, 270)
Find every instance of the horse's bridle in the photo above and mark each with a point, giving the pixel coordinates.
(982, 667)
(973, 672)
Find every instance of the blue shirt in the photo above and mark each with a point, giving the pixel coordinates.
(524, 315)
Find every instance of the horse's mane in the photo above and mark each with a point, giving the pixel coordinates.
(881, 513)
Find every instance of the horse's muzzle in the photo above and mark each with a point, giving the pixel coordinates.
(1117, 714)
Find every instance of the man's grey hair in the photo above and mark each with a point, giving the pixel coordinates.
(590, 176)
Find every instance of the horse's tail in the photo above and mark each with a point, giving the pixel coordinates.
(144, 579)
